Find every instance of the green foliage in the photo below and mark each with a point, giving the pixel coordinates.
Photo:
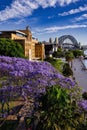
(59, 53)
(9, 125)
(84, 95)
(10, 48)
(77, 53)
(82, 126)
(67, 71)
(57, 63)
(57, 110)
(69, 56)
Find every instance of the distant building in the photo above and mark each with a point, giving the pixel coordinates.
(56, 40)
(50, 40)
(32, 49)
(84, 47)
(50, 46)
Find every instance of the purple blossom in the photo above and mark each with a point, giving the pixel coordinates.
(16, 73)
(27, 79)
(30, 77)
(83, 104)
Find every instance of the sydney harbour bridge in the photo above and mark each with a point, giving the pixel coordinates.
(65, 41)
(68, 41)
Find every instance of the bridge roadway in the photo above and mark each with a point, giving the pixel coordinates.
(80, 74)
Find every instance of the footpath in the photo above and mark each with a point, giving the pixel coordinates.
(80, 74)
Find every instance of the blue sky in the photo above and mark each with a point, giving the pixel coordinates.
(46, 18)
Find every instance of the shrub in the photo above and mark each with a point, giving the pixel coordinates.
(58, 54)
(77, 53)
(67, 71)
(69, 56)
(82, 126)
(31, 77)
(10, 48)
(84, 95)
(57, 110)
(57, 63)
(20, 77)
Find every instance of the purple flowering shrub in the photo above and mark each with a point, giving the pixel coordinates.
(30, 77)
(83, 105)
(21, 77)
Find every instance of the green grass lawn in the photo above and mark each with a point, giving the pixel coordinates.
(57, 63)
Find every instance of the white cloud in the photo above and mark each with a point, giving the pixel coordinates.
(82, 17)
(51, 17)
(58, 28)
(47, 3)
(18, 9)
(20, 21)
(22, 8)
(66, 2)
(74, 11)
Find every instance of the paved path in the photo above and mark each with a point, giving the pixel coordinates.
(80, 74)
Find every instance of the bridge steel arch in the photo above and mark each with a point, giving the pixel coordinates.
(64, 37)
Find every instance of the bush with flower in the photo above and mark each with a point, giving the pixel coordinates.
(28, 79)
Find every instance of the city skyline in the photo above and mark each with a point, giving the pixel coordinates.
(46, 18)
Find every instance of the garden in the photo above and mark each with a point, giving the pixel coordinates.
(56, 101)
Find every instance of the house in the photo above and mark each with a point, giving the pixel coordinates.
(32, 49)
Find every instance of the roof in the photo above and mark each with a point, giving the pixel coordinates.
(14, 31)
